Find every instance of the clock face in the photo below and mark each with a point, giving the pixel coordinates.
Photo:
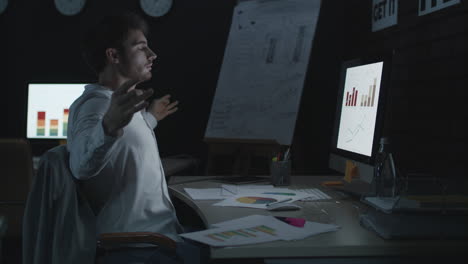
(156, 8)
(69, 7)
(3, 5)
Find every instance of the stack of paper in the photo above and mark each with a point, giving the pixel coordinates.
(253, 196)
(256, 229)
(314, 194)
(204, 194)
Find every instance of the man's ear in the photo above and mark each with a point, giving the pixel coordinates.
(112, 55)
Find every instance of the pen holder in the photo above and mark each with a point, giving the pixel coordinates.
(280, 172)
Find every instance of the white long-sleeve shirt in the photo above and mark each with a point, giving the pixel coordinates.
(123, 175)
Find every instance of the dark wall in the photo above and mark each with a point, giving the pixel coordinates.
(426, 107)
(42, 45)
(425, 117)
(312, 136)
(39, 44)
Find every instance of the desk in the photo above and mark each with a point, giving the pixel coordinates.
(175, 165)
(3, 227)
(351, 240)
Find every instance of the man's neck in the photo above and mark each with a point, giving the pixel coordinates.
(111, 80)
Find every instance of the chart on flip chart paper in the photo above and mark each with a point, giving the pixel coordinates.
(359, 108)
(263, 71)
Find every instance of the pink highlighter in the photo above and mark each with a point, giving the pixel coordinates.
(297, 222)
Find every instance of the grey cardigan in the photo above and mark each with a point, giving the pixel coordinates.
(59, 225)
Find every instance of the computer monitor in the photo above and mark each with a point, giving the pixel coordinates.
(359, 114)
(47, 110)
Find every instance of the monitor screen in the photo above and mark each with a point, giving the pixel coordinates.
(48, 106)
(359, 104)
(359, 113)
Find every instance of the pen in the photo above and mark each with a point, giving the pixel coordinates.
(280, 201)
(286, 155)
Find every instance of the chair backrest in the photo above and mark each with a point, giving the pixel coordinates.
(15, 181)
(59, 225)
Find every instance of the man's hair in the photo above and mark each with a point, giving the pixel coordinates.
(110, 32)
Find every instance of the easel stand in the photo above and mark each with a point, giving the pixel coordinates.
(236, 156)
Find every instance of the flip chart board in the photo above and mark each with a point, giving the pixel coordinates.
(263, 71)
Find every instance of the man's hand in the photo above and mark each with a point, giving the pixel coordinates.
(122, 107)
(162, 107)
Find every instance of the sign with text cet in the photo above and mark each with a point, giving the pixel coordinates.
(384, 14)
(429, 6)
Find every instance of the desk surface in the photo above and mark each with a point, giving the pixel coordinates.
(351, 240)
(3, 226)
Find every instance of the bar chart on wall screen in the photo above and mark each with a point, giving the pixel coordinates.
(48, 108)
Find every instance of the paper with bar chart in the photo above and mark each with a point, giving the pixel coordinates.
(48, 107)
(249, 232)
(359, 108)
(256, 229)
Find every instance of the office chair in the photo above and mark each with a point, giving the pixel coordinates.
(59, 223)
(15, 182)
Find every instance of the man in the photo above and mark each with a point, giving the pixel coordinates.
(111, 141)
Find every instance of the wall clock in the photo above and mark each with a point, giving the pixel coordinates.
(156, 8)
(69, 7)
(3, 5)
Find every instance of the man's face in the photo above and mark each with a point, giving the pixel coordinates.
(136, 58)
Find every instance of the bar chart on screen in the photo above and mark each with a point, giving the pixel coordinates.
(359, 108)
(366, 100)
(48, 109)
(53, 124)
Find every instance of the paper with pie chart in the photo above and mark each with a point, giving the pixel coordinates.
(261, 199)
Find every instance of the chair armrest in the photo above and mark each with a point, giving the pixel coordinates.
(173, 165)
(109, 240)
